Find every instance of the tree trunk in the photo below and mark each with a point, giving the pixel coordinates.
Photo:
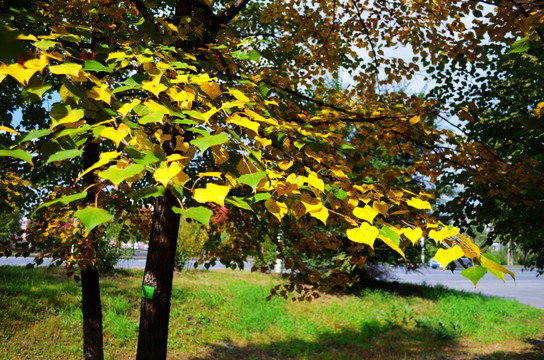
(93, 347)
(157, 284)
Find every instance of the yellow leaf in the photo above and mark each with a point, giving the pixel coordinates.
(381, 207)
(444, 257)
(37, 64)
(29, 37)
(284, 188)
(211, 89)
(298, 209)
(276, 208)
(104, 159)
(7, 129)
(310, 203)
(263, 141)
(216, 174)
(101, 93)
(208, 114)
(365, 234)
(316, 182)
(126, 108)
(212, 193)
(322, 214)
(70, 69)
(367, 213)
(471, 250)
(239, 95)
(3, 71)
(116, 135)
(393, 246)
(415, 119)
(419, 204)
(496, 269)
(164, 174)
(413, 234)
(154, 86)
(339, 174)
(245, 122)
(19, 73)
(258, 117)
(67, 116)
(285, 164)
(221, 155)
(117, 55)
(445, 232)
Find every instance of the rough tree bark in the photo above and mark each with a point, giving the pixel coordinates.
(93, 348)
(159, 271)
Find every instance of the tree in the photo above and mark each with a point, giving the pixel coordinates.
(190, 104)
(499, 99)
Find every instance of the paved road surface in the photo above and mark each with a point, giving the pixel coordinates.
(527, 289)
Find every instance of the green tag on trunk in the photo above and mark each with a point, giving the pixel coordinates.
(147, 291)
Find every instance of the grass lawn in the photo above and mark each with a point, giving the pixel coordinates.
(224, 315)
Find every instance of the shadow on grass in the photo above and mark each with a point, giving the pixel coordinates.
(535, 352)
(384, 343)
(350, 344)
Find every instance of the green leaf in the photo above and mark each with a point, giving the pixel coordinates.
(117, 175)
(263, 89)
(93, 65)
(205, 142)
(44, 44)
(199, 213)
(63, 200)
(252, 179)
(260, 197)
(91, 217)
(474, 273)
(239, 202)
(64, 154)
(390, 234)
(34, 134)
(155, 191)
(153, 117)
(18, 154)
(521, 45)
(142, 158)
(39, 90)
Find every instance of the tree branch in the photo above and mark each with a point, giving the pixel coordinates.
(231, 12)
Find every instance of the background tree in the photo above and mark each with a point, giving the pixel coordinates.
(498, 97)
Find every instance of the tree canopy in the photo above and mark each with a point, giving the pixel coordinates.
(220, 111)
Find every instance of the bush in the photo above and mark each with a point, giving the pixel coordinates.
(191, 238)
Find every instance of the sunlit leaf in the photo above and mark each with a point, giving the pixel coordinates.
(474, 273)
(64, 154)
(365, 234)
(18, 154)
(252, 179)
(199, 213)
(117, 175)
(212, 193)
(367, 213)
(91, 217)
(203, 143)
(444, 257)
(164, 174)
(276, 208)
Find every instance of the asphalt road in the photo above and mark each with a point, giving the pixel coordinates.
(527, 288)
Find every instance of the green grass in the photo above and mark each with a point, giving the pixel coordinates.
(224, 315)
